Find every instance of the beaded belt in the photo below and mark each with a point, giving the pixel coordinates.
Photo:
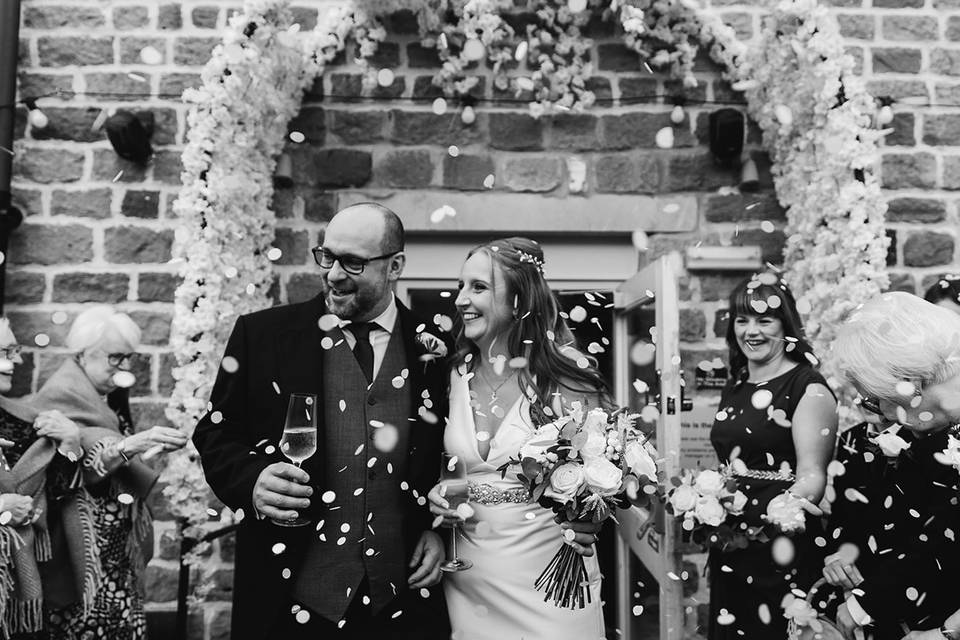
(765, 475)
(488, 494)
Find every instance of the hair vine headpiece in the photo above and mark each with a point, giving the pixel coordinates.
(535, 261)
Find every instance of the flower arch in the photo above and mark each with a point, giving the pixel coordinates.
(816, 117)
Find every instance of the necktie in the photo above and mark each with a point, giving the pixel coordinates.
(363, 350)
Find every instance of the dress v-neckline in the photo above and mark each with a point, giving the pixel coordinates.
(473, 423)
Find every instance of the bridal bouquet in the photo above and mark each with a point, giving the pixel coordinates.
(704, 499)
(580, 466)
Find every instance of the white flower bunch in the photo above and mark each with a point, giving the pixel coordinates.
(705, 498)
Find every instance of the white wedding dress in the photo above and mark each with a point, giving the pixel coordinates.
(509, 543)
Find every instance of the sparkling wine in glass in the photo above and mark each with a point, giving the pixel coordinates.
(453, 479)
(299, 439)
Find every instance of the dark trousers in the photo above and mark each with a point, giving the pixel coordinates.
(419, 619)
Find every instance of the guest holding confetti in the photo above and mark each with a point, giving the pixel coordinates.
(90, 388)
(895, 519)
(776, 430)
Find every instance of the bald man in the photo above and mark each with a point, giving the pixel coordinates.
(366, 564)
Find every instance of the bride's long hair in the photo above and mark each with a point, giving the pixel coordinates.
(538, 333)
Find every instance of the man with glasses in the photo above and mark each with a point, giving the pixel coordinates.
(364, 566)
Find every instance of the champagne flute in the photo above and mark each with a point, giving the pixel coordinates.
(299, 440)
(453, 479)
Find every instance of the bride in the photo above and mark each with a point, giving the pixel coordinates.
(514, 370)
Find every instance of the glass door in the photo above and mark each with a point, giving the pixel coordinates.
(648, 379)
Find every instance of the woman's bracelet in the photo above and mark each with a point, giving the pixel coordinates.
(949, 634)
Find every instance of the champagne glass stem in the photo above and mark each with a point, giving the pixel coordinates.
(456, 530)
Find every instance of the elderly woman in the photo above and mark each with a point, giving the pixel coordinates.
(88, 389)
(38, 469)
(895, 517)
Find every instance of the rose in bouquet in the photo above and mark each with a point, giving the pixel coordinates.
(580, 467)
(703, 500)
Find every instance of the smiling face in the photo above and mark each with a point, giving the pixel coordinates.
(9, 357)
(359, 232)
(760, 338)
(96, 361)
(482, 300)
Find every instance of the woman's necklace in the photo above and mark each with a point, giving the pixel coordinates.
(495, 408)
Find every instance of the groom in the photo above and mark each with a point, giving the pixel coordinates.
(363, 567)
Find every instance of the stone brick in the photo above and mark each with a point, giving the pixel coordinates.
(891, 247)
(405, 168)
(306, 202)
(294, 245)
(47, 165)
(222, 585)
(358, 127)
(165, 126)
(154, 327)
(394, 90)
(617, 57)
(624, 173)
(742, 207)
(346, 85)
(946, 4)
(173, 84)
(638, 130)
(858, 55)
(69, 124)
(951, 172)
(402, 22)
(424, 89)
(303, 286)
(931, 279)
(28, 324)
(922, 28)
(420, 57)
(29, 201)
(946, 93)
(90, 203)
(205, 17)
(220, 625)
(59, 16)
(856, 26)
(137, 245)
(130, 17)
(387, 55)
(108, 166)
(714, 287)
(161, 582)
(916, 210)
(130, 47)
(170, 17)
(425, 127)
(306, 17)
(118, 86)
(695, 172)
(167, 166)
(721, 321)
(575, 131)
(641, 89)
(35, 84)
(945, 62)
(311, 122)
(515, 132)
(91, 287)
(165, 381)
(601, 88)
(51, 244)
(953, 28)
(228, 546)
(941, 130)
(81, 51)
(332, 167)
(524, 173)
(157, 287)
(141, 204)
(902, 282)
(896, 60)
(168, 544)
(193, 51)
(467, 172)
(903, 130)
(693, 325)
(904, 171)
(771, 244)
(928, 249)
(897, 88)
(897, 4)
(24, 287)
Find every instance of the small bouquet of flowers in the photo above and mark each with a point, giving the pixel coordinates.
(704, 499)
(580, 466)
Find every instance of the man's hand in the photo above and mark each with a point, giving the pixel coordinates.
(19, 507)
(280, 490)
(840, 573)
(582, 537)
(426, 560)
(845, 621)
(932, 634)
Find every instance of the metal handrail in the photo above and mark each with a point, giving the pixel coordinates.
(187, 544)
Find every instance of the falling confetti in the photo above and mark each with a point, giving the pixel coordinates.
(489, 181)
(278, 548)
(124, 379)
(474, 50)
(303, 616)
(578, 314)
(297, 136)
(150, 55)
(665, 138)
(41, 339)
(784, 114)
(328, 497)
(637, 609)
(385, 77)
(446, 211)
(230, 364)
(273, 254)
(439, 106)
(328, 322)
(767, 227)
(385, 438)
(761, 399)
(783, 551)
(125, 498)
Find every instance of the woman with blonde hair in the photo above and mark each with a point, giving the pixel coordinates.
(895, 516)
(91, 389)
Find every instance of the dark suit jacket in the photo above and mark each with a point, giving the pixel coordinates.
(278, 352)
(905, 531)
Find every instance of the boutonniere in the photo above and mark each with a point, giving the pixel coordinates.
(891, 445)
(433, 346)
(951, 455)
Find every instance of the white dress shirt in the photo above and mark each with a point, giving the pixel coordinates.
(379, 334)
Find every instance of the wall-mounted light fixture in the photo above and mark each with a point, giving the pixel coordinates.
(745, 258)
(130, 134)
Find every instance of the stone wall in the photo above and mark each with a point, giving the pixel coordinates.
(99, 229)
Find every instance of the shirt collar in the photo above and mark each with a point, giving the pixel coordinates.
(386, 320)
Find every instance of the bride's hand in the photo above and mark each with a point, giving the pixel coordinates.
(441, 508)
(581, 536)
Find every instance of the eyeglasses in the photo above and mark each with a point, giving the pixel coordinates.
(120, 360)
(11, 352)
(871, 404)
(353, 265)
